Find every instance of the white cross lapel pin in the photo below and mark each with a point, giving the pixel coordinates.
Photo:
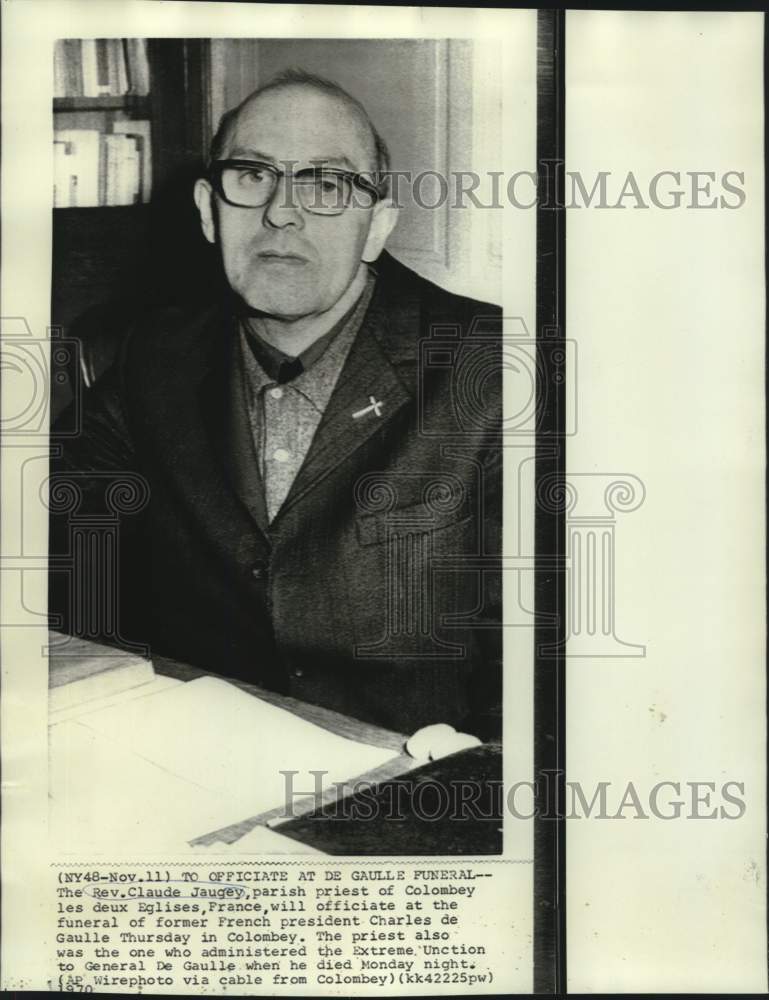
(376, 407)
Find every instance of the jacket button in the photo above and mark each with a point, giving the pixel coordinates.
(258, 572)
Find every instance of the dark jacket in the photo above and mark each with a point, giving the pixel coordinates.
(376, 591)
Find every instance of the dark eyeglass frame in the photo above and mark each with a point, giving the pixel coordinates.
(217, 168)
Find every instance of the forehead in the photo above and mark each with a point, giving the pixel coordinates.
(300, 123)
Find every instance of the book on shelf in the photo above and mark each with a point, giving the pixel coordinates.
(121, 170)
(101, 67)
(61, 64)
(76, 161)
(64, 190)
(68, 68)
(93, 168)
(139, 131)
(89, 68)
(137, 65)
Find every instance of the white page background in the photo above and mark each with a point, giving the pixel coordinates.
(667, 308)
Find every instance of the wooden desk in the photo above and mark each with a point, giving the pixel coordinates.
(334, 722)
(315, 821)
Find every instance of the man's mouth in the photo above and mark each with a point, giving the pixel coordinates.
(281, 257)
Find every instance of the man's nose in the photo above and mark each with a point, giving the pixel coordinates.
(283, 208)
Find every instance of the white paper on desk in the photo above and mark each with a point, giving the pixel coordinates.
(186, 761)
(106, 799)
(145, 690)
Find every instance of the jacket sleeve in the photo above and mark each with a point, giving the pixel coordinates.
(93, 486)
(102, 442)
(487, 667)
(486, 685)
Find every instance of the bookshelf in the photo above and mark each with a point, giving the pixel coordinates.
(133, 103)
(102, 147)
(126, 244)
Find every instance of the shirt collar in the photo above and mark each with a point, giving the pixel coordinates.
(281, 367)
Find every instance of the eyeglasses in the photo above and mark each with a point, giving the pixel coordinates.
(320, 190)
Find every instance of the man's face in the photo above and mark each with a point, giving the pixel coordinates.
(280, 258)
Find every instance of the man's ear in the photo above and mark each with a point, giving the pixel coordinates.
(382, 224)
(204, 199)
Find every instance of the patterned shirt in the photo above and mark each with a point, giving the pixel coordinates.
(288, 396)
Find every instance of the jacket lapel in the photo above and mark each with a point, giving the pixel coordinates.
(371, 371)
(238, 444)
(184, 401)
(196, 415)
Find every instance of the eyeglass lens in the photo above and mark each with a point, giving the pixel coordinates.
(316, 191)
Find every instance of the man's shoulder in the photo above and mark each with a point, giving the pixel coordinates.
(166, 326)
(161, 336)
(444, 344)
(404, 286)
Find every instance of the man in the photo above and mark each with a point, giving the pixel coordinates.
(324, 492)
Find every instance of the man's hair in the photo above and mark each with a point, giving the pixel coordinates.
(301, 78)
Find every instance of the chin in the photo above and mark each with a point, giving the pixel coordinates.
(285, 300)
(279, 303)
(278, 307)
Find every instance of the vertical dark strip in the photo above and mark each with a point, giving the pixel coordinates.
(179, 138)
(766, 417)
(549, 677)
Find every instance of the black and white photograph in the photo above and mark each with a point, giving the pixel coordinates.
(382, 521)
(276, 475)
